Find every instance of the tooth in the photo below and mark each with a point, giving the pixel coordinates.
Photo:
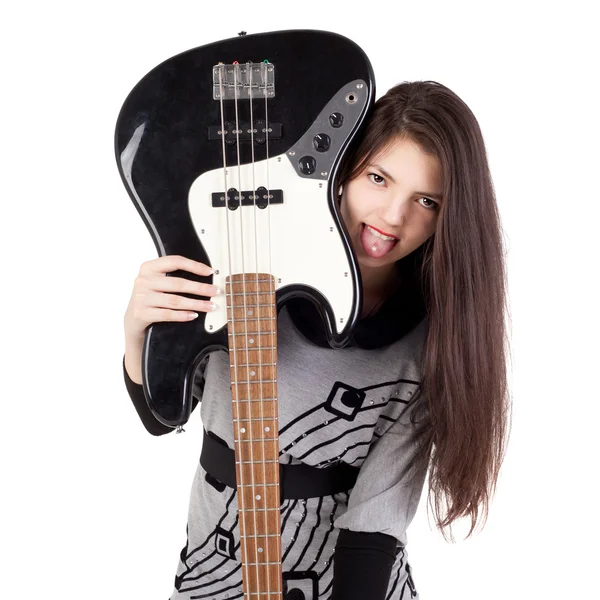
(380, 235)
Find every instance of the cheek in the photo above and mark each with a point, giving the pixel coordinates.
(420, 229)
(356, 202)
(429, 228)
(348, 208)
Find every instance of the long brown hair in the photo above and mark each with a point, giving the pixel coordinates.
(463, 426)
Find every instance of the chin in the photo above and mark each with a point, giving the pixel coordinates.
(369, 261)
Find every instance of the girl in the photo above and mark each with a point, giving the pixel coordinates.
(421, 388)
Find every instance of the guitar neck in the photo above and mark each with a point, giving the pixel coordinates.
(252, 333)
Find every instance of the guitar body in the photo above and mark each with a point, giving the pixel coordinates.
(257, 199)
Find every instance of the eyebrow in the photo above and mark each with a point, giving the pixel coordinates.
(437, 197)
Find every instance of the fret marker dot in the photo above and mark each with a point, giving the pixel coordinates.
(251, 340)
(250, 312)
(260, 549)
(252, 373)
(243, 430)
(258, 497)
(267, 429)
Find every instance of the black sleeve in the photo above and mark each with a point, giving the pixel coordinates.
(362, 564)
(150, 422)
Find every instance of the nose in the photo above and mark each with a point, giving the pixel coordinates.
(396, 212)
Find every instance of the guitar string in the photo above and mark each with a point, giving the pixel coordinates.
(226, 194)
(250, 67)
(272, 307)
(236, 69)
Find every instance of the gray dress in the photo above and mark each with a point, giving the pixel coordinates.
(351, 405)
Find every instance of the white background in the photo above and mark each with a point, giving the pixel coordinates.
(93, 506)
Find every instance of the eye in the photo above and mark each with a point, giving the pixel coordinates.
(433, 205)
(376, 179)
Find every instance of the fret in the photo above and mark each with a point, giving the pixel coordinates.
(257, 509)
(245, 305)
(248, 278)
(244, 319)
(268, 447)
(234, 382)
(257, 348)
(259, 419)
(253, 292)
(262, 563)
(252, 332)
(261, 535)
(256, 400)
(260, 472)
(256, 440)
(251, 462)
(255, 485)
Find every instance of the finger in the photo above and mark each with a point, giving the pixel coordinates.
(175, 302)
(161, 315)
(175, 262)
(182, 286)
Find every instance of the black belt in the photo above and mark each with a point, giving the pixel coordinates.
(295, 481)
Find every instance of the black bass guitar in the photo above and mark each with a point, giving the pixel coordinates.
(230, 153)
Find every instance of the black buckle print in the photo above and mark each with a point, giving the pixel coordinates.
(344, 401)
(224, 543)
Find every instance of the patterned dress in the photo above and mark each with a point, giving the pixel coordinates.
(348, 405)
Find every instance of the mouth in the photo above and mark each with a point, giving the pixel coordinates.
(375, 242)
(382, 234)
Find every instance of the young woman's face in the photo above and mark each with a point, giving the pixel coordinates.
(392, 207)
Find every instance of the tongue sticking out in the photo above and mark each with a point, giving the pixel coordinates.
(373, 245)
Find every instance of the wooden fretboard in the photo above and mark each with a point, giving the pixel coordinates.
(252, 328)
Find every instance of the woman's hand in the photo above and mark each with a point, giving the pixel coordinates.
(155, 298)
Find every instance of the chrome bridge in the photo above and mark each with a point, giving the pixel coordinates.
(242, 81)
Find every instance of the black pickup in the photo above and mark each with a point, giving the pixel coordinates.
(262, 198)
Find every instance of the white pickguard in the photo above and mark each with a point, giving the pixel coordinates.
(297, 241)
